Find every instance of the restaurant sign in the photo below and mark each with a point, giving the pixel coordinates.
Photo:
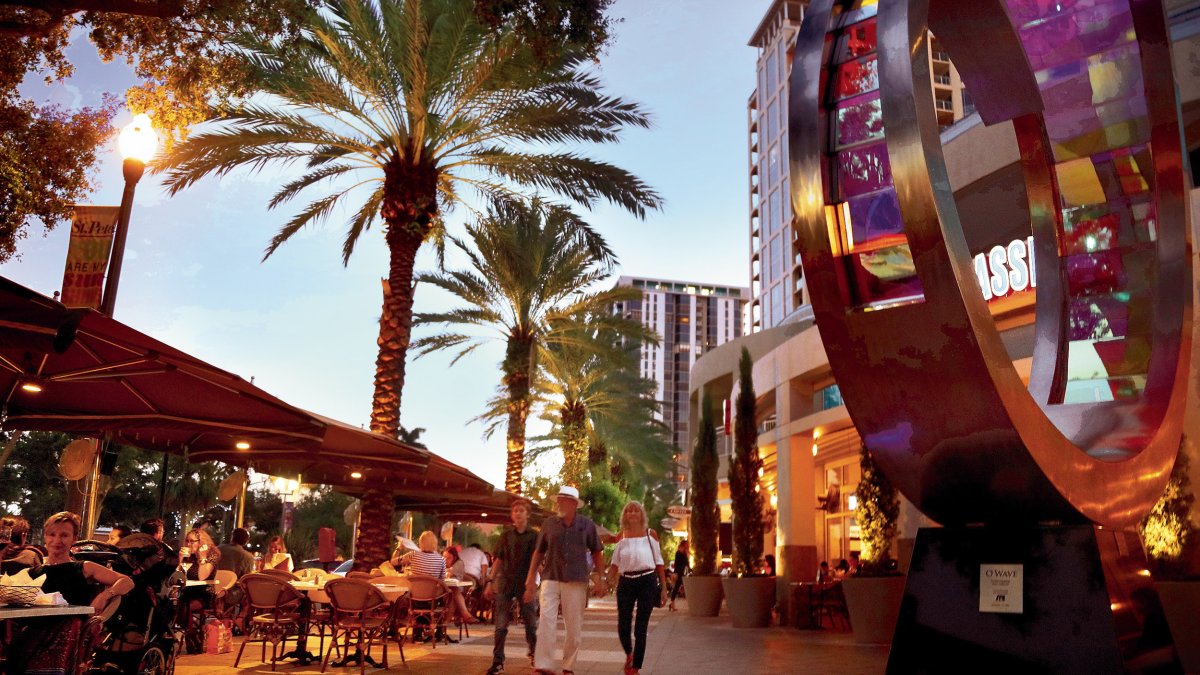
(92, 229)
(1002, 589)
(678, 511)
(1005, 270)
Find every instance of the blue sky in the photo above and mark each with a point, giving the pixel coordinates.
(304, 326)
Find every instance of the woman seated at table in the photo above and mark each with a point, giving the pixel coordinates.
(455, 568)
(199, 556)
(428, 562)
(15, 552)
(278, 557)
(51, 646)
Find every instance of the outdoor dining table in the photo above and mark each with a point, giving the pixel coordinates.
(807, 597)
(10, 612)
(206, 582)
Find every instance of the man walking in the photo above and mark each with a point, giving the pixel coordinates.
(561, 555)
(512, 556)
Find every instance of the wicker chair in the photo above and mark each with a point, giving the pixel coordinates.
(360, 616)
(274, 613)
(428, 597)
(285, 575)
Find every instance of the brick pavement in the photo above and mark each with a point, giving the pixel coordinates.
(678, 645)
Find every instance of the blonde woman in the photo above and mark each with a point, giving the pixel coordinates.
(637, 563)
(429, 562)
(278, 557)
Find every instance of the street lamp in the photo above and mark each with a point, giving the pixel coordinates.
(137, 143)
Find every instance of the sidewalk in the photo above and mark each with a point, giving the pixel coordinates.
(678, 645)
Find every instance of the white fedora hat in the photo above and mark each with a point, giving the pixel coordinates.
(570, 491)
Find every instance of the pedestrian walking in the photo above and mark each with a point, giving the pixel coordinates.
(512, 556)
(639, 575)
(681, 568)
(561, 555)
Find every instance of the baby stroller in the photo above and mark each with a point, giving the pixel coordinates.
(141, 637)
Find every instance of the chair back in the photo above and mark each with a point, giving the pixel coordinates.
(281, 574)
(358, 575)
(425, 588)
(226, 579)
(353, 596)
(267, 592)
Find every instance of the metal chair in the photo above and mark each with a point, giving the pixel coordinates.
(274, 613)
(360, 616)
(427, 597)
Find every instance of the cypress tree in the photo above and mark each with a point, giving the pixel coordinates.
(745, 492)
(706, 517)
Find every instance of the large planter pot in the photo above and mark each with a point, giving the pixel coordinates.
(703, 595)
(750, 600)
(1181, 604)
(874, 605)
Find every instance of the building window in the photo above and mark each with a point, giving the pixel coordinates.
(827, 398)
(777, 305)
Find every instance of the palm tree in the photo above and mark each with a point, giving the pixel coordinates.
(403, 104)
(530, 267)
(591, 390)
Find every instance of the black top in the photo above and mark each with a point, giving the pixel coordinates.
(67, 578)
(681, 562)
(567, 548)
(515, 549)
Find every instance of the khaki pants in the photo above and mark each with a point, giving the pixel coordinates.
(572, 596)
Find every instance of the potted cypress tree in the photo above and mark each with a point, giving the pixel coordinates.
(1168, 537)
(749, 594)
(703, 586)
(873, 596)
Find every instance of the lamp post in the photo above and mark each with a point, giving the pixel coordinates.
(137, 143)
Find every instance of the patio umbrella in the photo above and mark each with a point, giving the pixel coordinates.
(77, 370)
(493, 508)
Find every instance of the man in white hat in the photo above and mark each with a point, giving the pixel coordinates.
(561, 553)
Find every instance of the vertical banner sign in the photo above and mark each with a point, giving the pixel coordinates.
(92, 231)
(1002, 589)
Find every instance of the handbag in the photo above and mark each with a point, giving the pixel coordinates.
(660, 601)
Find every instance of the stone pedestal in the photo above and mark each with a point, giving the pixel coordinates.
(1087, 604)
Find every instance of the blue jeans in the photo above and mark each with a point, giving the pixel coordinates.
(500, 613)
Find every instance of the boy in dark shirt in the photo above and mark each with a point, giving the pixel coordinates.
(512, 556)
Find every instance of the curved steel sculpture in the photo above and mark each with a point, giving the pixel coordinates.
(1089, 88)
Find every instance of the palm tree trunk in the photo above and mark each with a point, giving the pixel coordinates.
(518, 368)
(409, 210)
(373, 544)
(575, 443)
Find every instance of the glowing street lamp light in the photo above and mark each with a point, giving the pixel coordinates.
(137, 143)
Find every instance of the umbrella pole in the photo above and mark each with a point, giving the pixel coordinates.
(241, 505)
(162, 487)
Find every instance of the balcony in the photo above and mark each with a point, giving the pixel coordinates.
(939, 55)
(942, 79)
(943, 104)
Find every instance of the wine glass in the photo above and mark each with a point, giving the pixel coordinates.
(185, 559)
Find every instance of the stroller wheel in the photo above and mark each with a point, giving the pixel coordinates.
(153, 662)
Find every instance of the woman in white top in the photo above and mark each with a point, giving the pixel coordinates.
(638, 564)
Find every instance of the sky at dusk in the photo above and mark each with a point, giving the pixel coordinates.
(305, 327)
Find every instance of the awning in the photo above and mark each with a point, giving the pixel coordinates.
(493, 508)
(79, 371)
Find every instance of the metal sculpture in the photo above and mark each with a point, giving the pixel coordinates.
(1090, 91)
(1023, 476)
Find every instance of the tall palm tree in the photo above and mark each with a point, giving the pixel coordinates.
(530, 267)
(401, 105)
(592, 392)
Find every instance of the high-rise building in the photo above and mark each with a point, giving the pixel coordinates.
(777, 290)
(690, 319)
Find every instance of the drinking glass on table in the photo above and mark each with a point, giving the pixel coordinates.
(185, 559)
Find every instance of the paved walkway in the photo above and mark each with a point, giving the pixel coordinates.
(678, 645)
